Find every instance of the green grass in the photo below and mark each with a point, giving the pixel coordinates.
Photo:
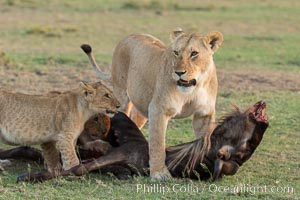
(258, 36)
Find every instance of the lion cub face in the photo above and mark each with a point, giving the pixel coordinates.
(99, 98)
(192, 54)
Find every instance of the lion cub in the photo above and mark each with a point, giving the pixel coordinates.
(94, 136)
(51, 120)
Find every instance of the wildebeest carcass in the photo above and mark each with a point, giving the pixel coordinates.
(232, 143)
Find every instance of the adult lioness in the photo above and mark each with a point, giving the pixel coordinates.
(53, 118)
(164, 82)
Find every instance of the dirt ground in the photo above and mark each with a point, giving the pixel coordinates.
(258, 80)
(67, 78)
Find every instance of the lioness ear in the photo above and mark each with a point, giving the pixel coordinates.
(215, 40)
(176, 32)
(87, 90)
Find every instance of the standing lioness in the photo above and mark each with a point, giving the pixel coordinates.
(53, 119)
(164, 82)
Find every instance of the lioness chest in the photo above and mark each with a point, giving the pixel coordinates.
(199, 102)
(202, 105)
(177, 105)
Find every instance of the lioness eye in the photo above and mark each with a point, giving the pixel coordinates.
(175, 53)
(194, 54)
(107, 95)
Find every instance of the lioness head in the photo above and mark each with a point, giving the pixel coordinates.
(99, 98)
(192, 57)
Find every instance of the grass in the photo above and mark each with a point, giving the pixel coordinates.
(263, 36)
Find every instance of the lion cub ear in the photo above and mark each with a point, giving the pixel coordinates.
(175, 33)
(215, 40)
(87, 91)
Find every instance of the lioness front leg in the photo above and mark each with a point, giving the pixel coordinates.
(203, 124)
(51, 156)
(157, 131)
(65, 142)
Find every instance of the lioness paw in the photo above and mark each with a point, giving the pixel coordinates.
(163, 175)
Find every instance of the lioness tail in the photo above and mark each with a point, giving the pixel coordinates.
(88, 50)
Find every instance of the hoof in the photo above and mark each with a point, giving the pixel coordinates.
(22, 178)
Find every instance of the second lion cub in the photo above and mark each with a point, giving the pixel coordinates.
(51, 120)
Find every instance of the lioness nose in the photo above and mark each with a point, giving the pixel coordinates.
(180, 73)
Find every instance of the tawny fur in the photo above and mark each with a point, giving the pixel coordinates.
(53, 119)
(145, 75)
(94, 132)
(93, 137)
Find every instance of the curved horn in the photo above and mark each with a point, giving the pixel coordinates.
(88, 51)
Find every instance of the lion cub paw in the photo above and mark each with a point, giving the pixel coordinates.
(56, 170)
(98, 145)
(162, 175)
